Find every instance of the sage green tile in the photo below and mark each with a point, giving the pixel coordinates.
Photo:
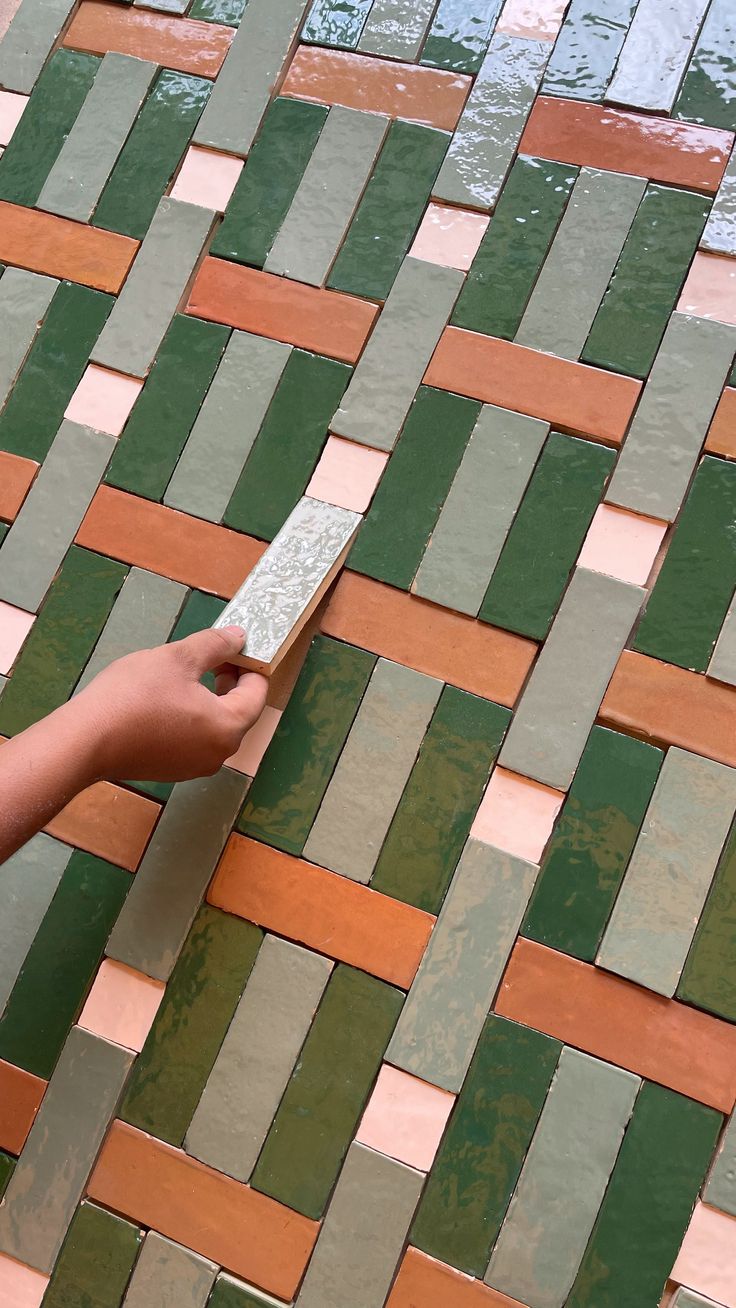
(95, 1262)
(170, 1276)
(326, 1095)
(29, 879)
(720, 1188)
(55, 101)
(61, 639)
(268, 183)
(142, 616)
(647, 1206)
(166, 409)
(336, 22)
(7, 1164)
(689, 1299)
(481, 1155)
(514, 247)
(61, 963)
(459, 35)
(545, 538)
(647, 281)
(643, 82)
(722, 665)
(406, 505)
(288, 445)
(24, 300)
(32, 33)
(586, 49)
(296, 768)
(592, 843)
(709, 976)
(395, 29)
(390, 211)
(50, 375)
(692, 593)
(231, 1293)
(707, 90)
(196, 1011)
(432, 821)
(228, 12)
(151, 154)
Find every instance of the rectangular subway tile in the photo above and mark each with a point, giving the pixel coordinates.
(710, 289)
(709, 976)
(722, 665)
(405, 1118)
(178, 43)
(459, 35)
(109, 822)
(96, 1238)
(57, 96)
(336, 22)
(720, 230)
(143, 615)
(167, 1273)
(449, 236)
(706, 1259)
(230, 1292)
(720, 1188)
(587, 48)
(24, 301)
(29, 40)
(45, 243)
(395, 29)
(17, 478)
(21, 1097)
(28, 882)
(703, 95)
(643, 82)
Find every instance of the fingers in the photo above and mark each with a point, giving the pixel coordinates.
(247, 699)
(226, 678)
(208, 649)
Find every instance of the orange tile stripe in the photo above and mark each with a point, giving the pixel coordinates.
(575, 397)
(574, 132)
(327, 322)
(672, 706)
(244, 1231)
(423, 95)
(721, 437)
(184, 44)
(602, 1014)
(16, 478)
(423, 1282)
(326, 912)
(59, 247)
(20, 1098)
(106, 820)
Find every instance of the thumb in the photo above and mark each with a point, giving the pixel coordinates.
(208, 649)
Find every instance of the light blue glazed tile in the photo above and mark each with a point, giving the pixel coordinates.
(395, 29)
(720, 230)
(586, 49)
(656, 53)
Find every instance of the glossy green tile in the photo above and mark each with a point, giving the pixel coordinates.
(325, 1097)
(459, 35)
(336, 22)
(546, 537)
(480, 1158)
(707, 93)
(52, 370)
(647, 281)
(709, 976)
(61, 963)
(405, 508)
(587, 48)
(96, 1261)
(166, 408)
(61, 639)
(231, 1293)
(437, 808)
(514, 247)
(269, 181)
(152, 153)
(7, 1165)
(592, 843)
(390, 211)
(692, 593)
(54, 104)
(647, 1206)
(288, 788)
(200, 1000)
(228, 12)
(288, 445)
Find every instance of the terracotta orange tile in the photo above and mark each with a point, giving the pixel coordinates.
(538, 19)
(184, 44)
(402, 627)
(622, 544)
(423, 1282)
(44, 243)
(207, 178)
(672, 706)
(710, 289)
(613, 1019)
(327, 322)
(449, 236)
(255, 742)
(103, 399)
(405, 1118)
(721, 437)
(16, 477)
(517, 815)
(576, 398)
(244, 1231)
(20, 1099)
(20, 1286)
(572, 131)
(122, 1005)
(327, 912)
(706, 1262)
(347, 474)
(151, 536)
(423, 95)
(108, 821)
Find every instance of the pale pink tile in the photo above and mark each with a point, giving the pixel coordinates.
(517, 815)
(255, 743)
(11, 112)
(706, 1262)
(539, 19)
(121, 1005)
(622, 544)
(405, 1118)
(207, 178)
(15, 625)
(347, 474)
(710, 289)
(103, 399)
(20, 1286)
(449, 236)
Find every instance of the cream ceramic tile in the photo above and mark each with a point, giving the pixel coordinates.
(347, 474)
(449, 236)
(103, 399)
(11, 112)
(405, 1118)
(121, 1005)
(20, 1286)
(622, 544)
(207, 178)
(15, 625)
(517, 815)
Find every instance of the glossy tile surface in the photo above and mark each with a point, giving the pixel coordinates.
(646, 83)
(122, 1005)
(103, 400)
(207, 178)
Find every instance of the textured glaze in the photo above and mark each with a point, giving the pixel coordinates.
(516, 815)
(336, 22)
(62, 248)
(32, 35)
(587, 48)
(143, 615)
(96, 1261)
(536, 18)
(228, 12)
(121, 1005)
(395, 29)
(622, 544)
(720, 229)
(229, 1293)
(177, 43)
(103, 400)
(449, 236)
(707, 91)
(405, 1118)
(30, 878)
(710, 288)
(24, 300)
(709, 976)
(722, 665)
(459, 35)
(347, 474)
(170, 1276)
(643, 82)
(720, 1188)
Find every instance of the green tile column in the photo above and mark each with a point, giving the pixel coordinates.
(706, 95)
(709, 976)
(95, 1262)
(49, 116)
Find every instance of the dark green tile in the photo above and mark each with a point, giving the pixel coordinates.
(200, 1000)
(336, 22)
(49, 116)
(166, 408)
(61, 963)
(406, 506)
(152, 153)
(514, 247)
(460, 33)
(7, 1164)
(61, 639)
(328, 1090)
(692, 593)
(52, 370)
(436, 810)
(229, 1293)
(592, 843)
(647, 281)
(96, 1261)
(481, 1155)
(295, 771)
(707, 94)
(546, 536)
(268, 183)
(709, 976)
(585, 53)
(288, 445)
(390, 211)
(647, 1206)
(228, 12)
